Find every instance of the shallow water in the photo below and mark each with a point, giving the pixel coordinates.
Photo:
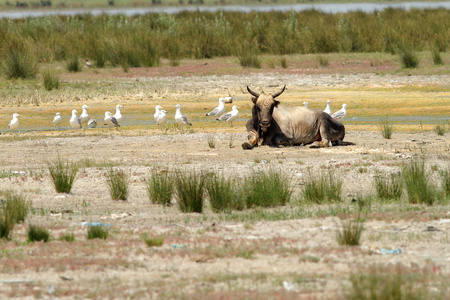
(325, 7)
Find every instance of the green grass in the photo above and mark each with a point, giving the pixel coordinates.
(154, 241)
(386, 128)
(225, 194)
(118, 184)
(388, 187)
(160, 187)
(6, 226)
(211, 139)
(68, 237)
(73, 64)
(445, 179)
(38, 233)
(51, 80)
(97, 232)
(18, 61)
(417, 182)
(63, 175)
(440, 129)
(409, 57)
(15, 207)
(350, 233)
(326, 188)
(189, 191)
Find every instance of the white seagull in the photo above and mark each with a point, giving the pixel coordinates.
(220, 109)
(118, 115)
(157, 111)
(179, 118)
(14, 123)
(92, 123)
(111, 121)
(74, 120)
(84, 117)
(305, 104)
(340, 114)
(162, 117)
(230, 116)
(57, 120)
(328, 108)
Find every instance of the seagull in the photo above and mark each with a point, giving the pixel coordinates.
(118, 115)
(305, 104)
(328, 108)
(230, 116)
(111, 121)
(74, 120)
(84, 117)
(228, 99)
(340, 114)
(14, 123)
(181, 120)
(157, 111)
(57, 120)
(88, 64)
(92, 123)
(162, 117)
(220, 109)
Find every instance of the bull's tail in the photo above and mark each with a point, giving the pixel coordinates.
(342, 143)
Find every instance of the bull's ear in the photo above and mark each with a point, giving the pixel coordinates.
(276, 103)
(254, 99)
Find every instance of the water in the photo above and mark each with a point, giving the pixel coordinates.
(325, 7)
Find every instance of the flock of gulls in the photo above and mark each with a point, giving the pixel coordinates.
(160, 116)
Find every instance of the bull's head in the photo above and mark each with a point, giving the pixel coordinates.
(264, 105)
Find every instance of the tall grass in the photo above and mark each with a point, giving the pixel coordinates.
(63, 175)
(18, 61)
(436, 55)
(386, 128)
(189, 191)
(267, 189)
(417, 182)
(408, 57)
(118, 184)
(445, 179)
(225, 194)
(351, 232)
(326, 188)
(16, 207)
(440, 129)
(97, 232)
(160, 187)
(73, 64)
(38, 233)
(51, 80)
(388, 187)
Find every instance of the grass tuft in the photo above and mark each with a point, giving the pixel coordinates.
(73, 64)
(388, 187)
(211, 139)
(51, 80)
(15, 206)
(225, 194)
(38, 233)
(323, 61)
(351, 232)
(408, 57)
(97, 232)
(437, 58)
(118, 184)
(440, 130)
(6, 226)
(63, 175)
(68, 237)
(18, 62)
(189, 191)
(154, 241)
(445, 177)
(417, 184)
(325, 189)
(160, 187)
(386, 128)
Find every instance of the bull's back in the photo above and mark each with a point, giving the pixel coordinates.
(298, 123)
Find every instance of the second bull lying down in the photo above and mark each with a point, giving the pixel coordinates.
(274, 124)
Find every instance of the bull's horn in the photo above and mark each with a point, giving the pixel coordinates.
(279, 93)
(252, 92)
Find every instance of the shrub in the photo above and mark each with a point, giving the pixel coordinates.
(51, 80)
(388, 187)
(324, 189)
(118, 184)
(73, 64)
(351, 232)
(63, 175)
(440, 130)
(189, 191)
(267, 189)
(224, 194)
(386, 128)
(160, 187)
(37, 234)
(408, 57)
(97, 232)
(18, 62)
(417, 183)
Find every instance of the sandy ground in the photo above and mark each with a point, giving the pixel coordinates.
(283, 253)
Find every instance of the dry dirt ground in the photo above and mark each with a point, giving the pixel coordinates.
(289, 252)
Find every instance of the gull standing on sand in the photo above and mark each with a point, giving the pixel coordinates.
(74, 120)
(162, 117)
(230, 116)
(179, 118)
(305, 104)
(340, 114)
(84, 117)
(111, 121)
(57, 120)
(220, 109)
(157, 112)
(92, 123)
(14, 123)
(328, 108)
(118, 115)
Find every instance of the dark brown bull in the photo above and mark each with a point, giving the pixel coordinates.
(274, 124)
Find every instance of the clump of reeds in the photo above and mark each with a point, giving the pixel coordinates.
(351, 232)
(73, 64)
(323, 189)
(68, 237)
(323, 61)
(408, 57)
(225, 194)
(51, 80)
(211, 139)
(417, 182)
(388, 187)
(440, 130)
(437, 58)
(386, 128)
(189, 191)
(154, 241)
(160, 187)
(63, 175)
(15, 206)
(38, 233)
(97, 232)
(18, 62)
(267, 189)
(118, 184)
